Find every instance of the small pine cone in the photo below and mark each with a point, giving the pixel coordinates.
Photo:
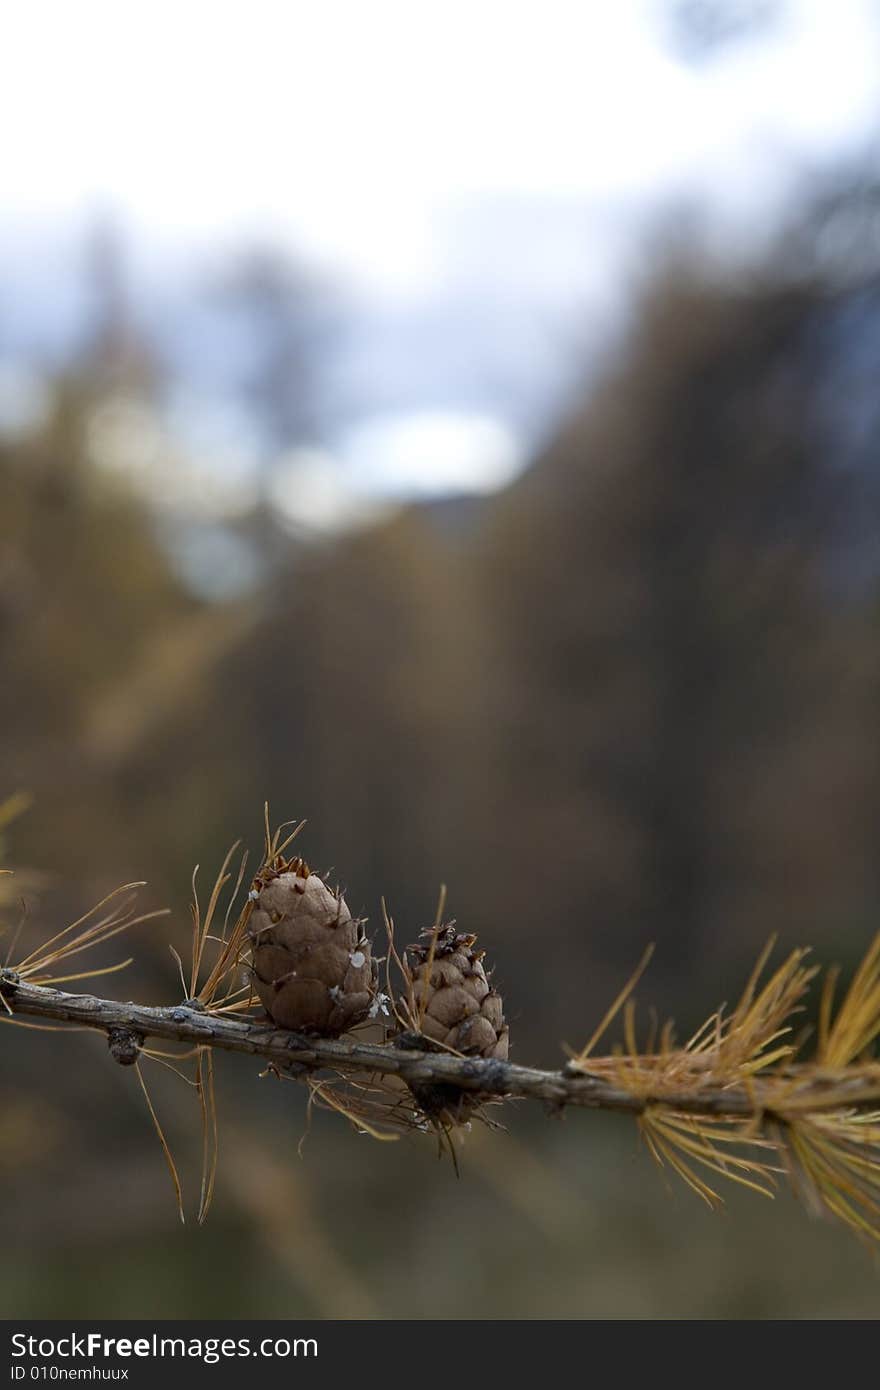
(455, 1003)
(312, 966)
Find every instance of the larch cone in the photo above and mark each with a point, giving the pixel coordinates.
(312, 966)
(455, 1003)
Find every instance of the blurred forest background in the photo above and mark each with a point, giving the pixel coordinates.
(633, 695)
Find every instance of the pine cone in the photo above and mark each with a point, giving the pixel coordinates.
(455, 1004)
(312, 966)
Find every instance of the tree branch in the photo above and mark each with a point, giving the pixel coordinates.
(127, 1024)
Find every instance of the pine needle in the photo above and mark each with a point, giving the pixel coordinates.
(84, 935)
(837, 1166)
(87, 974)
(210, 1134)
(405, 1018)
(428, 966)
(116, 916)
(274, 845)
(615, 1007)
(42, 1027)
(858, 1019)
(356, 1114)
(216, 992)
(172, 1167)
(202, 926)
(682, 1141)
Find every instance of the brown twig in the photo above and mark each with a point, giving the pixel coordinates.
(819, 1090)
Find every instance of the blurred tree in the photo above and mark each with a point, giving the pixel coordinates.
(286, 318)
(632, 699)
(114, 351)
(687, 699)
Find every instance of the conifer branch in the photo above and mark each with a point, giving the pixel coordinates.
(805, 1088)
(738, 1100)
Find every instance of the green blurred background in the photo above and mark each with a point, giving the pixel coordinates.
(623, 689)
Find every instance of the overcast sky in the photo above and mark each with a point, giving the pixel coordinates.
(367, 132)
(346, 124)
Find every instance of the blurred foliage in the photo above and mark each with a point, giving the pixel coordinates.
(632, 698)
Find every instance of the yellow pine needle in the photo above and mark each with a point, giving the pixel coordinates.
(757, 970)
(665, 1155)
(428, 966)
(95, 934)
(616, 1006)
(227, 961)
(230, 1005)
(162, 1060)
(202, 926)
(230, 944)
(826, 1009)
(699, 1137)
(759, 1019)
(706, 1035)
(65, 931)
(86, 942)
(177, 957)
(282, 845)
(274, 843)
(234, 894)
(814, 1090)
(351, 1110)
(42, 1027)
(172, 1167)
(175, 1056)
(393, 957)
(681, 1141)
(629, 1029)
(820, 1159)
(724, 1050)
(196, 918)
(210, 1134)
(86, 974)
(767, 1059)
(858, 1019)
(235, 1000)
(13, 941)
